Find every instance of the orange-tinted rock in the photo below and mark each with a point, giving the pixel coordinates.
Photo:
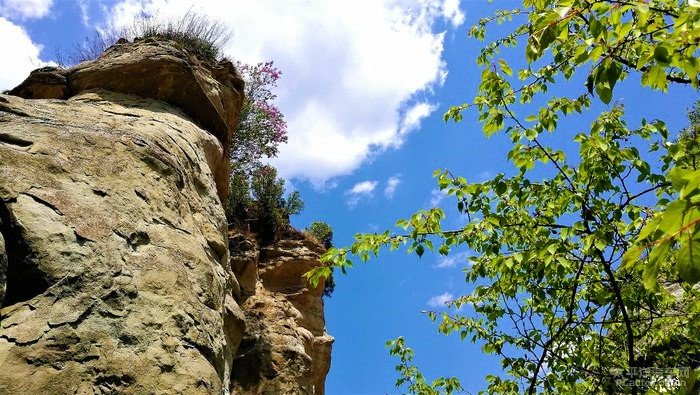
(285, 349)
(44, 83)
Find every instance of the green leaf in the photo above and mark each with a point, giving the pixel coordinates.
(505, 68)
(655, 77)
(649, 228)
(680, 177)
(631, 257)
(501, 188)
(688, 259)
(600, 244)
(604, 92)
(651, 270)
(662, 54)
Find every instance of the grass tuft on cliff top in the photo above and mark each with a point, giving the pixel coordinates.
(199, 34)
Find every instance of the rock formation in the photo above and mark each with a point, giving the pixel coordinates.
(115, 269)
(285, 349)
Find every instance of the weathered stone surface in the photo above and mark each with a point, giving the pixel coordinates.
(3, 268)
(121, 277)
(209, 92)
(245, 255)
(44, 83)
(121, 287)
(286, 349)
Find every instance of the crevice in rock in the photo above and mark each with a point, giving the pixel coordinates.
(81, 240)
(44, 202)
(99, 192)
(167, 222)
(141, 195)
(24, 279)
(14, 140)
(124, 114)
(4, 107)
(135, 239)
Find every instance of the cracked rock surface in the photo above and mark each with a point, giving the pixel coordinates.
(118, 278)
(117, 272)
(285, 349)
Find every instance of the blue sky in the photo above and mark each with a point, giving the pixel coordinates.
(364, 88)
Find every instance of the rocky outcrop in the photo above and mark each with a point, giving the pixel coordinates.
(115, 270)
(117, 279)
(285, 349)
(209, 92)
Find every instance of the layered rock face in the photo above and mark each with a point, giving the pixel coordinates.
(115, 270)
(285, 349)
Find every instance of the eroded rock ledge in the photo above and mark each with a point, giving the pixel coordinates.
(211, 93)
(116, 275)
(285, 349)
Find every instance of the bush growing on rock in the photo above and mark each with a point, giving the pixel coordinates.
(324, 234)
(271, 209)
(197, 33)
(261, 129)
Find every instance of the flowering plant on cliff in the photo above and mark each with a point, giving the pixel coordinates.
(261, 128)
(256, 192)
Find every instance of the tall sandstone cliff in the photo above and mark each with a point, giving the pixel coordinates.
(118, 274)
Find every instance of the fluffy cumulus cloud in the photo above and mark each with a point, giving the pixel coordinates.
(361, 190)
(391, 184)
(25, 9)
(436, 197)
(355, 76)
(19, 54)
(459, 259)
(439, 301)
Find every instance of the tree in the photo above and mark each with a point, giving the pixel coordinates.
(324, 234)
(261, 126)
(582, 280)
(261, 129)
(271, 209)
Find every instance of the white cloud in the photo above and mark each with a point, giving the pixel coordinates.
(353, 70)
(359, 191)
(84, 7)
(19, 54)
(450, 261)
(440, 300)
(413, 117)
(25, 9)
(452, 12)
(391, 184)
(436, 197)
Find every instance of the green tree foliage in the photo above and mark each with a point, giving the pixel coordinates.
(411, 376)
(261, 129)
(581, 279)
(324, 234)
(239, 199)
(271, 209)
